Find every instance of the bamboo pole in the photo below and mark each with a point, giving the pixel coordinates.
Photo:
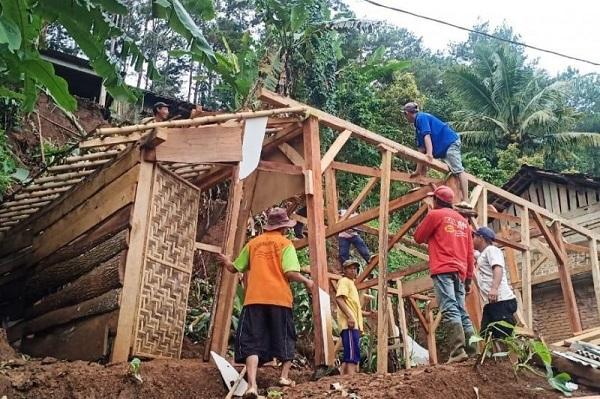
(21, 207)
(78, 165)
(27, 200)
(198, 121)
(43, 186)
(62, 176)
(93, 155)
(42, 193)
(29, 211)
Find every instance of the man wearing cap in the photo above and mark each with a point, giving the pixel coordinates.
(350, 319)
(160, 113)
(266, 326)
(450, 247)
(499, 299)
(437, 140)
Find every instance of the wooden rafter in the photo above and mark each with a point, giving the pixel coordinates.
(334, 149)
(360, 198)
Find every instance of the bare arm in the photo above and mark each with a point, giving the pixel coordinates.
(496, 278)
(428, 147)
(226, 262)
(299, 278)
(341, 302)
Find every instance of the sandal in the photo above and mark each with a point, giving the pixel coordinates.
(286, 382)
(250, 393)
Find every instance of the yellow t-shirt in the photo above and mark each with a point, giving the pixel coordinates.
(347, 289)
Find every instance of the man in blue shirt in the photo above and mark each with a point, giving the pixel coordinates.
(437, 140)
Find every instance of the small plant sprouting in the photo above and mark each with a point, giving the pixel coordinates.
(523, 350)
(135, 367)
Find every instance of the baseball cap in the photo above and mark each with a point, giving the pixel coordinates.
(486, 233)
(158, 105)
(443, 193)
(411, 107)
(350, 262)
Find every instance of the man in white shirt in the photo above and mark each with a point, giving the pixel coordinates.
(496, 294)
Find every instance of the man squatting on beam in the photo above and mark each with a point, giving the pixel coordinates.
(450, 246)
(437, 140)
(266, 326)
(498, 297)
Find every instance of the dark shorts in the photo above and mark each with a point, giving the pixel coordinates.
(266, 331)
(498, 311)
(351, 344)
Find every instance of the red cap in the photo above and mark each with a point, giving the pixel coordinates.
(443, 193)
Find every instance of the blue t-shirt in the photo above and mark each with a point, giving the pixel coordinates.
(442, 135)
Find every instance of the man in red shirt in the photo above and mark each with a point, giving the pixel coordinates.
(450, 246)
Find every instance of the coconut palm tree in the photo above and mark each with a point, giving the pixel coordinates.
(505, 101)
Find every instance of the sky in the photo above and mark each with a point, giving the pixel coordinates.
(567, 27)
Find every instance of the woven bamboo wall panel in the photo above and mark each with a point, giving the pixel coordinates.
(167, 268)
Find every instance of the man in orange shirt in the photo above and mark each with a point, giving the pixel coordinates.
(266, 326)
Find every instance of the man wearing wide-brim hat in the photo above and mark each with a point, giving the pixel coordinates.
(266, 326)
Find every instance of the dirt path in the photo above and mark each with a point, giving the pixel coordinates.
(190, 378)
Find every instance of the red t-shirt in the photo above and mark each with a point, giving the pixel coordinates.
(450, 242)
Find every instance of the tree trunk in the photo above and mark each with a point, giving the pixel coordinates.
(101, 279)
(101, 304)
(46, 278)
(191, 79)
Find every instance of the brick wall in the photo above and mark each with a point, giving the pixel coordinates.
(549, 313)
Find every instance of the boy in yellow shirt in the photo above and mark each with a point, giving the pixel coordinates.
(349, 316)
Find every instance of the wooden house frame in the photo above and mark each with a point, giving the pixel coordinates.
(182, 154)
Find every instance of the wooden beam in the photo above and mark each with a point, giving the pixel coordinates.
(550, 238)
(526, 270)
(283, 136)
(323, 339)
(595, 271)
(291, 153)
(419, 267)
(395, 238)
(279, 167)
(366, 216)
(331, 196)
(566, 283)
(509, 253)
(360, 198)
(239, 210)
(403, 326)
(374, 172)
(431, 344)
(382, 302)
(419, 314)
(334, 149)
(200, 246)
(134, 263)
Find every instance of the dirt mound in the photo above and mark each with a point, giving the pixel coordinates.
(6, 351)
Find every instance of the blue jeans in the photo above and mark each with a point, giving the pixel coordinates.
(450, 293)
(359, 244)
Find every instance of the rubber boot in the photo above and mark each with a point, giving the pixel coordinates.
(471, 349)
(456, 340)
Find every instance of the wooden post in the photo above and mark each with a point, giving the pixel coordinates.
(565, 281)
(402, 325)
(331, 196)
(240, 203)
(382, 314)
(134, 263)
(595, 271)
(526, 270)
(482, 208)
(323, 342)
(431, 327)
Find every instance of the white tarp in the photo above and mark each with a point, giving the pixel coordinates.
(254, 134)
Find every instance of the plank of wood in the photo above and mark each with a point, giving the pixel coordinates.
(416, 268)
(581, 199)
(403, 326)
(283, 136)
(293, 155)
(526, 271)
(335, 148)
(366, 216)
(107, 228)
(198, 144)
(383, 249)
(239, 209)
(431, 344)
(134, 263)
(86, 339)
(279, 167)
(563, 198)
(550, 238)
(360, 198)
(323, 338)
(48, 276)
(511, 261)
(216, 249)
(595, 271)
(104, 203)
(565, 281)
(103, 278)
(102, 304)
(331, 196)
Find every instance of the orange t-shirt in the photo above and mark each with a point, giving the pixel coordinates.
(267, 258)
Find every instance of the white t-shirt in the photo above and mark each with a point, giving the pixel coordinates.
(489, 257)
